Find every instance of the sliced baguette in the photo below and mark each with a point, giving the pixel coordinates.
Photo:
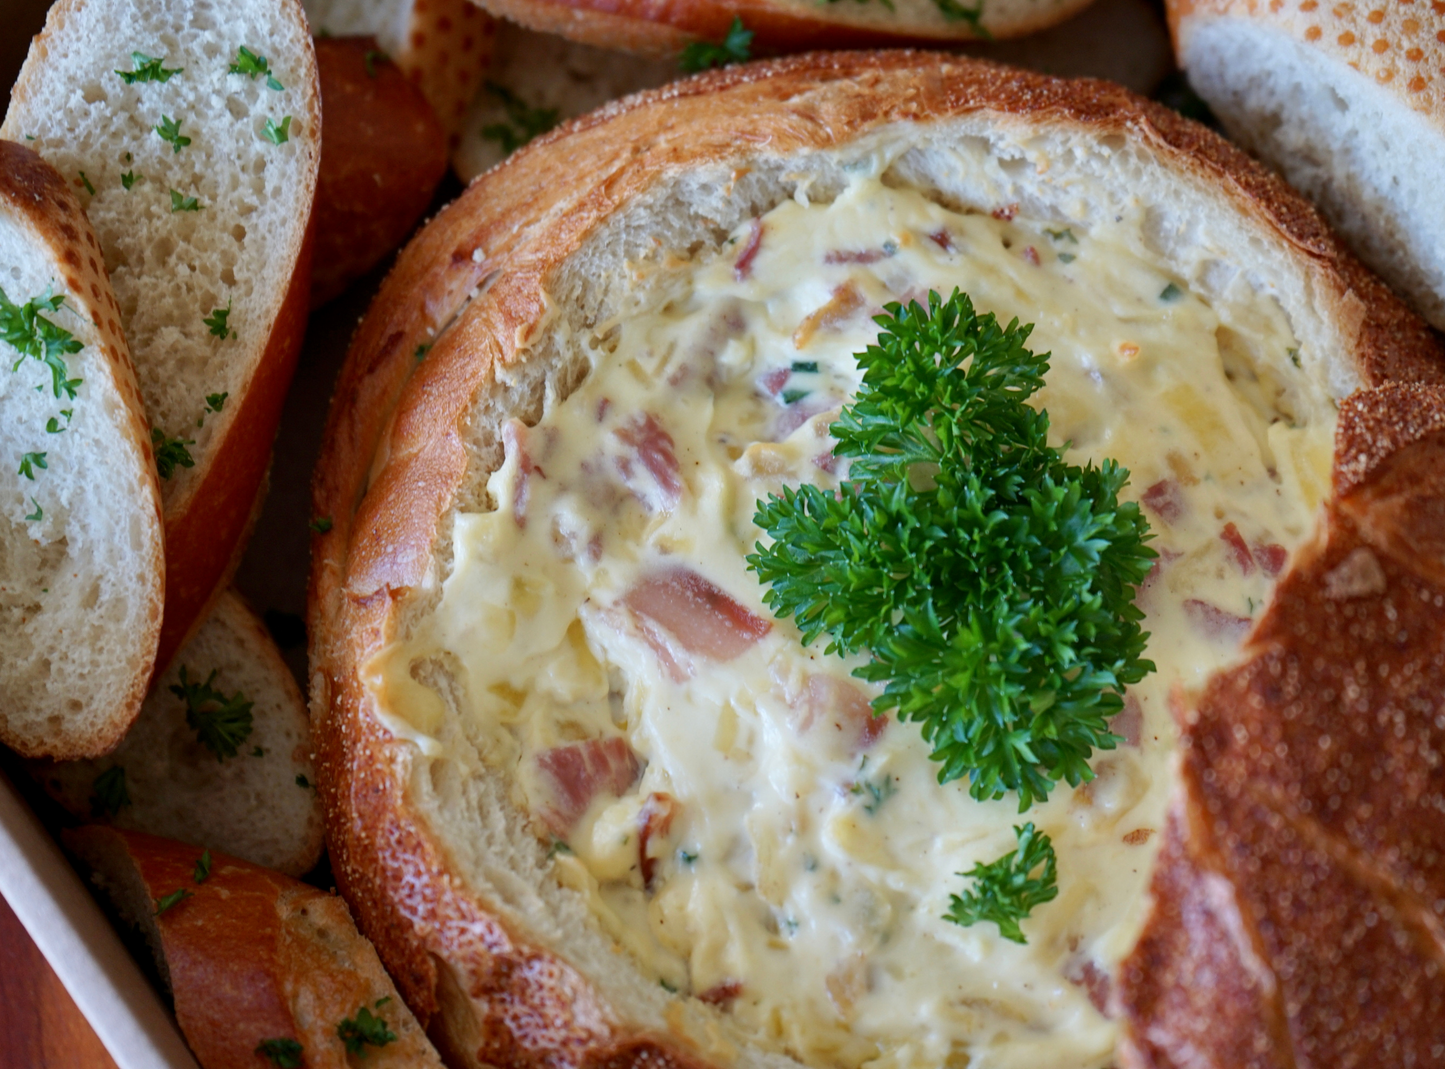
(385, 153)
(546, 78)
(256, 806)
(1348, 103)
(443, 46)
(509, 284)
(250, 955)
(81, 560)
(244, 247)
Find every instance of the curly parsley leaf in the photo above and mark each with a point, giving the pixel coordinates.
(31, 334)
(175, 898)
(221, 723)
(992, 582)
(1003, 891)
(170, 130)
(254, 66)
(524, 122)
(217, 323)
(735, 48)
(147, 70)
(108, 793)
(277, 135)
(184, 204)
(365, 1029)
(215, 402)
(282, 1053)
(171, 453)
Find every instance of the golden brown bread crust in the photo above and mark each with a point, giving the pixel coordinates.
(1299, 913)
(252, 955)
(664, 27)
(393, 457)
(385, 152)
(32, 189)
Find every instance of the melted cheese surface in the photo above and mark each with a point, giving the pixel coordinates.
(733, 819)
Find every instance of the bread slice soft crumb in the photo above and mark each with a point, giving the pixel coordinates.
(81, 564)
(259, 804)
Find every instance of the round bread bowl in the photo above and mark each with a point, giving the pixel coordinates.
(435, 863)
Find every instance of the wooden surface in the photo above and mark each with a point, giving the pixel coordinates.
(43, 1029)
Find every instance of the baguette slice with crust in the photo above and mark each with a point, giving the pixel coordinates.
(426, 842)
(1348, 102)
(385, 153)
(82, 560)
(250, 955)
(256, 806)
(546, 78)
(443, 46)
(1301, 811)
(220, 222)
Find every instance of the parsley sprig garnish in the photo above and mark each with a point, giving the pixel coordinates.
(171, 453)
(218, 323)
(31, 334)
(365, 1029)
(170, 130)
(1003, 891)
(221, 723)
(282, 1053)
(524, 122)
(147, 70)
(736, 47)
(992, 582)
(253, 66)
(277, 135)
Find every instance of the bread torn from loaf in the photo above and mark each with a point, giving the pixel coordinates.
(203, 185)
(259, 965)
(80, 540)
(255, 800)
(504, 292)
(1347, 103)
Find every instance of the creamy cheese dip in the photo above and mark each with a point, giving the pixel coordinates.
(717, 791)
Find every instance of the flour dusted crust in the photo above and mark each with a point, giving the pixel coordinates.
(527, 248)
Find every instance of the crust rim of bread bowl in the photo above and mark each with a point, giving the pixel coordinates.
(392, 869)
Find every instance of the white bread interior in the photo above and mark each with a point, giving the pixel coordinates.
(81, 586)
(1371, 163)
(1060, 173)
(249, 806)
(171, 269)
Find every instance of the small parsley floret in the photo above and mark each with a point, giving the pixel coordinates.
(253, 66)
(221, 723)
(277, 135)
(108, 793)
(31, 334)
(147, 70)
(127, 180)
(524, 122)
(170, 130)
(953, 11)
(282, 1053)
(1170, 293)
(215, 402)
(175, 898)
(217, 323)
(171, 453)
(365, 1029)
(29, 462)
(38, 514)
(735, 48)
(992, 582)
(320, 525)
(184, 204)
(202, 872)
(1003, 891)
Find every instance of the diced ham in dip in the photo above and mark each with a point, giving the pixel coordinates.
(701, 617)
(577, 774)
